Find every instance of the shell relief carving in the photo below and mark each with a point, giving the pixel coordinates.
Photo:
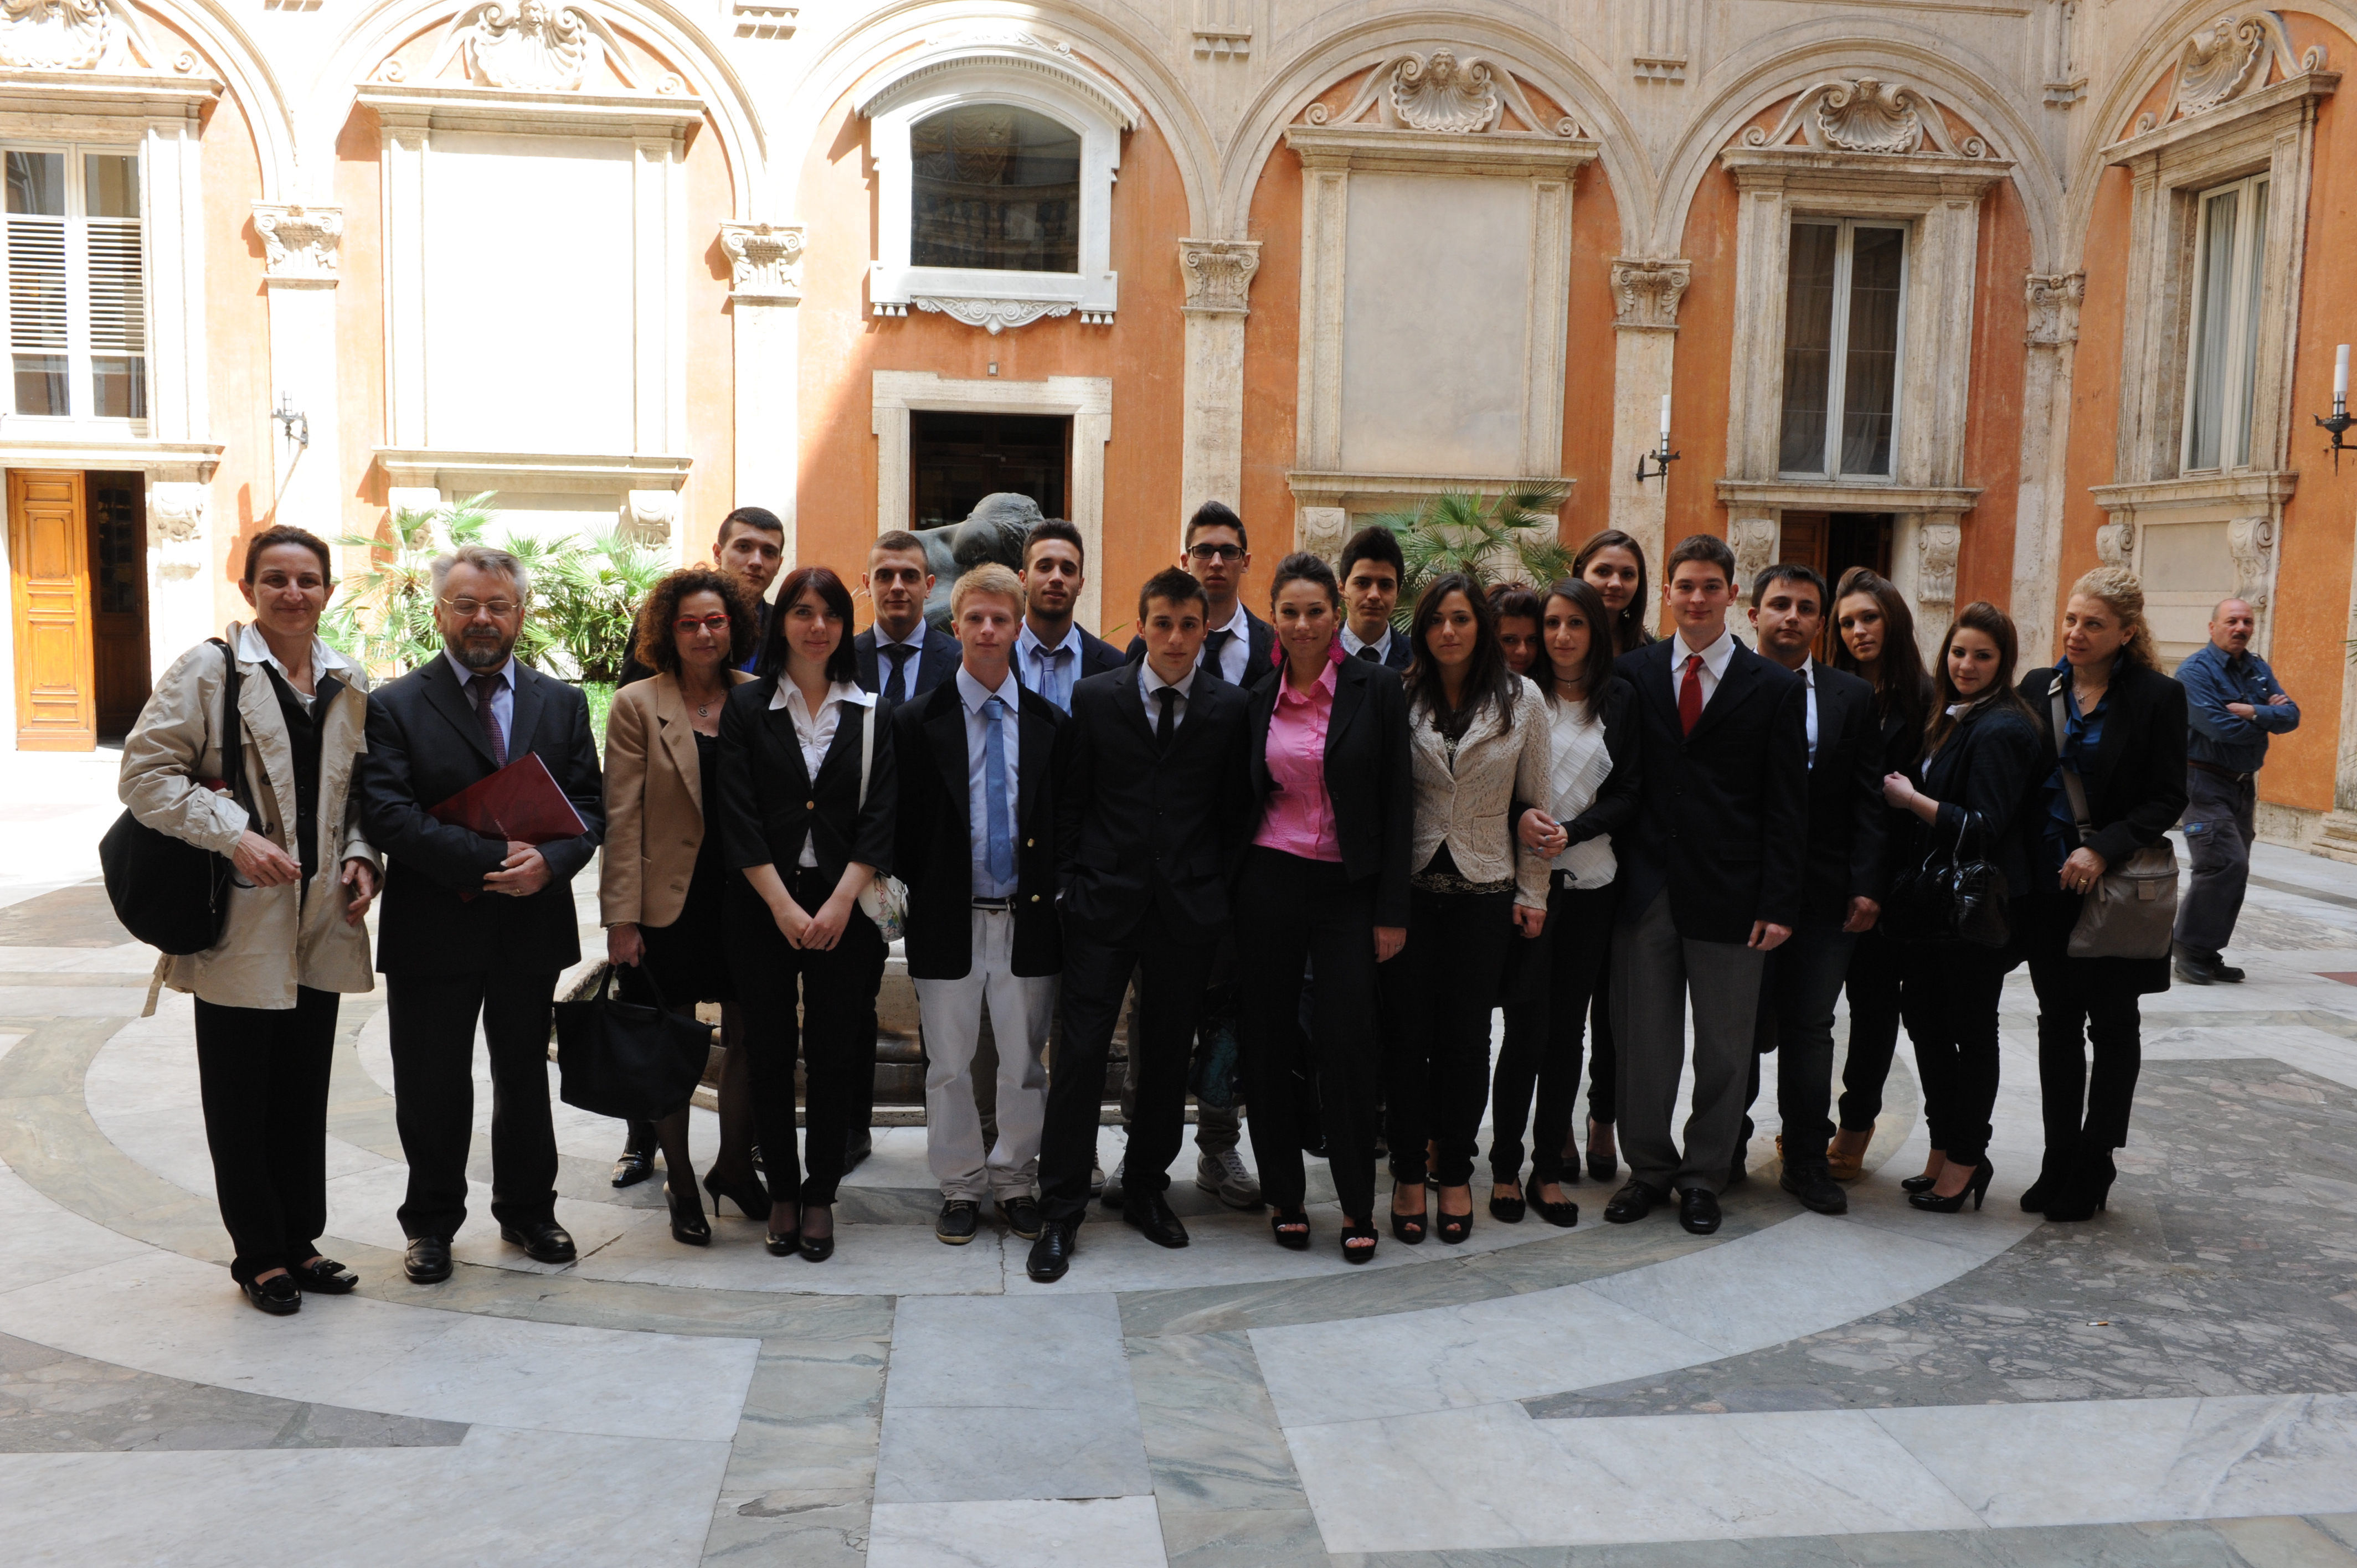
(2232, 57)
(1865, 114)
(76, 34)
(533, 46)
(1441, 93)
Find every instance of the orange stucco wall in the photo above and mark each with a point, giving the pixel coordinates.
(1143, 353)
(1992, 417)
(237, 352)
(1703, 365)
(1589, 347)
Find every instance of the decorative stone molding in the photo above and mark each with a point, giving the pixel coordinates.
(647, 517)
(2054, 304)
(1668, 70)
(2066, 81)
(2251, 541)
(300, 241)
(763, 18)
(176, 512)
(1224, 28)
(2232, 57)
(995, 315)
(765, 260)
(1754, 542)
(2116, 543)
(1647, 293)
(1322, 530)
(1937, 543)
(76, 34)
(1865, 115)
(536, 48)
(1437, 93)
(1219, 276)
(1223, 45)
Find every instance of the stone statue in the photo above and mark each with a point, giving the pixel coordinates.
(992, 533)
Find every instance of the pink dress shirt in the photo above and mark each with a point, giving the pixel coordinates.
(1300, 820)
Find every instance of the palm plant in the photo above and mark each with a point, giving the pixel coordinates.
(385, 615)
(1510, 538)
(585, 597)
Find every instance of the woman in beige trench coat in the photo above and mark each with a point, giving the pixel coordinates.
(266, 994)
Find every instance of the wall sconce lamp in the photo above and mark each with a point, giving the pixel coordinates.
(297, 424)
(2340, 422)
(1661, 457)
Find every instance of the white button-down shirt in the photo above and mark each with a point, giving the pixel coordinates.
(1149, 682)
(1714, 663)
(1035, 659)
(814, 731)
(973, 695)
(1352, 642)
(502, 698)
(1238, 651)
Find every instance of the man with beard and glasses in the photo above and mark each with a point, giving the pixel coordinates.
(475, 927)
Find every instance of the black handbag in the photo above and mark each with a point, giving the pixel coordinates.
(623, 1059)
(169, 893)
(1953, 896)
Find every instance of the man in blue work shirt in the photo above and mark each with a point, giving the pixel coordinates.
(2233, 702)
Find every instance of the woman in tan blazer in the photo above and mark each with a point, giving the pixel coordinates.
(663, 873)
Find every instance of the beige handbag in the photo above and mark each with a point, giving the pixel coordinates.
(2131, 911)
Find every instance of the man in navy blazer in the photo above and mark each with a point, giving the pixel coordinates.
(902, 656)
(1711, 883)
(475, 927)
(1052, 653)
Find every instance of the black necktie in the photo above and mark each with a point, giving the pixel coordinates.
(1370, 653)
(1211, 648)
(896, 689)
(1167, 724)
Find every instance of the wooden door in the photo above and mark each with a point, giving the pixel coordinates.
(48, 574)
(117, 546)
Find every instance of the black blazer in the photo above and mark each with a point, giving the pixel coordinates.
(936, 664)
(769, 804)
(1137, 828)
(1368, 778)
(1993, 764)
(933, 843)
(1848, 820)
(1726, 819)
(424, 745)
(1262, 639)
(2136, 785)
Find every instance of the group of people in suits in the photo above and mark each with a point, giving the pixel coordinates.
(1377, 829)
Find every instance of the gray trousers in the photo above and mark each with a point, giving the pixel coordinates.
(1654, 971)
(2219, 828)
(963, 1162)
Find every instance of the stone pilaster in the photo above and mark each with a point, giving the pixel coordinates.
(1645, 295)
(765, 299)
(1219, 274)
(2053, 339)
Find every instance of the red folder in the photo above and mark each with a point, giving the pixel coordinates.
(520, 802)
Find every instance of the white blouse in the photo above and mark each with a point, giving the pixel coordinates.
(1582, 766)
(814, 733)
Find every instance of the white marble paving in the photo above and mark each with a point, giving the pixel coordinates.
(41, 1240)
(500, 1496)
(1099, 1532)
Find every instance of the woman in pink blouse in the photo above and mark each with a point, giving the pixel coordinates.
(1324, 884)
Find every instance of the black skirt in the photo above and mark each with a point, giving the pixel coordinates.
(688, 959)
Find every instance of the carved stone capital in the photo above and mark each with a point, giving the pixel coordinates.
(1754, 540)
(765, 260)
(2251, 541)
(1645, 293)
(1322, 530)
(2116, 543)
(648, 516)
(176, 512)
(1935, 570)
(2054, 302)
(1219, 276)
(299, 240)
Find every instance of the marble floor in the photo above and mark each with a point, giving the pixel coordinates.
(2172, 1383)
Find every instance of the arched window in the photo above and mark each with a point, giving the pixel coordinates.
(997, 187)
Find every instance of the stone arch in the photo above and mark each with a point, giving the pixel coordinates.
(229, 50)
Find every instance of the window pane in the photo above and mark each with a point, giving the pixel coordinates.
(118, 386)
(1808, 347)
(41, 383)
(36, 183)
(1870, 366)
(2213, 288)
(36, 283)
(995, 186)
(110, 185)
(118, 296)
(2253, 249)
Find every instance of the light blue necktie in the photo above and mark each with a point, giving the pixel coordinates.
(1055, 684)
(993, 792)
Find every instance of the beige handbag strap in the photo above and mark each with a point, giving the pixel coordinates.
(2072, 787)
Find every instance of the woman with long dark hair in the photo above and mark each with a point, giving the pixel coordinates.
(2122, 740)
(1980, 772)
(807, 838)
(1477, 741)
(1874, 635)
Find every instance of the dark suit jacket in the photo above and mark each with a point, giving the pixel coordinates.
(1368, 778)
(1726, 819)
(769, 804)
(1848, 818)
(2136, 785)
(424, 745)
(1992, 766)
(1256, 657)
(1139, 829)
(936, 664)
(933, 844)
(1097, 656)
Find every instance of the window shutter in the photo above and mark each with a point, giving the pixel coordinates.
(118, 294)
(37, 284)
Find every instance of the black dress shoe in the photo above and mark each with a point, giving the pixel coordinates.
(688, 1226)
(277, 1295)
(1631, 1203)
(857, 1145)
(1150, 1212)
(542, 1241)
(1698, 1210)
(2227, 972)
(1815, 1188)
(2193, 974)
(960, 1217)
(1051, 1254)
(427, 1262)
(637, 1161)
(1022, 1216)
(325, 1276)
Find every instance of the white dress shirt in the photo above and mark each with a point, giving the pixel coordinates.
(1714, 663)
(1238, 651)
(1149, 682)
(814, 733)
(973, 695)
(1033, 655)
(1352, 642)
(502, 698)
(254, 648)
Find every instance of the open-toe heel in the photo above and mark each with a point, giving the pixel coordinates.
(1454, 1228)
(1407, 1229)
(1357, 1242)
(1291, 1228)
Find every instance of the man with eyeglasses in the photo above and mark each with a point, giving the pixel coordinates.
(902, 657)
(1217, 555)
(475, 927)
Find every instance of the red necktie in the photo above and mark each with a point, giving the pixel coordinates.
(1690, 696)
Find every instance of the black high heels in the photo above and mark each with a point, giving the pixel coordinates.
(749, 1195)
(1976, 1189)
(1358, 1241)
(687, 1222)
(2088, 1189)
(1454, 1229)
(818, 1249)
(1406, 1229)
(1922, 1183)
(1291, 1228)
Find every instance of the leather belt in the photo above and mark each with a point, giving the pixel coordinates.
(2221, 772)
(1000, 906)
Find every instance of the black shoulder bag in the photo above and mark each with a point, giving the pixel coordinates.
(169, 893)
(620, 1058)
(1953, 896)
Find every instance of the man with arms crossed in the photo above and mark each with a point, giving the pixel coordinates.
(1151, 806)
(475, 927)
(1711, 881)
(2232, 704)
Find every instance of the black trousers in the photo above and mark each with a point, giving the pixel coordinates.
(1544, 1035)
(263, 1073)
(816, 1005)
(1289, 910)
(1603, 1056)
(1437, 1048)
(1798, 987)
(2086, 1006)
(1949, 1004)
(1875, 968)
(1171, 974)
(433, 1023)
